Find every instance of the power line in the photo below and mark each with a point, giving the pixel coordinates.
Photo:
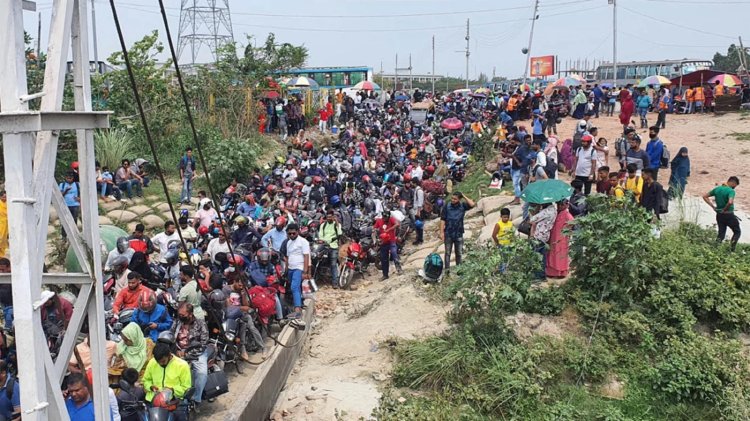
(676, 24)
(715, 3)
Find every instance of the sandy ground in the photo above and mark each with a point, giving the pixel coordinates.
(347, 358)
(715, 155)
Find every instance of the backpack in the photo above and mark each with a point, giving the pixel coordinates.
(621, 147)
(551, 168)
(263, 301)
(664, 208)
(664, 161)
(433, 266)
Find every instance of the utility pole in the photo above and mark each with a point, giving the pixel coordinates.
(614, 42)
(395, 76)
(467, 53)
(433, 65)
(39, 38)
(531, 37)
(743, 60)
(411, 79)
(403, 68)
(95, 36)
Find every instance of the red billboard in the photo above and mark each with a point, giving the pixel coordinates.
(542, 66)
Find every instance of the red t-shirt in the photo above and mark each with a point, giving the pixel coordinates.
(323, 114)
(381, 225)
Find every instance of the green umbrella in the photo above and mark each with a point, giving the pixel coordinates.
(546, 191)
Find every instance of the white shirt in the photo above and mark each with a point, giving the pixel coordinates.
(585, 157)
(114, 254)
(215, 247)
(289, 174)
(417, 172)
(296, 250)
(541, 159)
(161, 241)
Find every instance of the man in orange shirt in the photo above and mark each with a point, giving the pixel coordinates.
(719, 89)
(689, 98)
(127, 298)
(513, 107)
(699, 97)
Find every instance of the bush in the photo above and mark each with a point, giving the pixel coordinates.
(230, 158)
(694, 367)
(112, 146)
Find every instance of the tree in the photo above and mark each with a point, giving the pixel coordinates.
(731, 61)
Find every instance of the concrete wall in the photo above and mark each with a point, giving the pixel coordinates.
(256, 402)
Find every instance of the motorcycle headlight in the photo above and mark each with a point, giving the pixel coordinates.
(355, 254)
(229, 336)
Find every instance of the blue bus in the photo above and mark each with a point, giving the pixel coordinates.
(332, 77)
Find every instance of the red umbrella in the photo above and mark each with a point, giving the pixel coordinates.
(271, 94)
(452, 124)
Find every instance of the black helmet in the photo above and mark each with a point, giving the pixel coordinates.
(217, 300)
(166, 337)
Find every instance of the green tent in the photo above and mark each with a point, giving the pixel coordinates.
(109, 235)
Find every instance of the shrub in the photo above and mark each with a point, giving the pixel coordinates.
(229, 158)
(694, 367)
(112, 146)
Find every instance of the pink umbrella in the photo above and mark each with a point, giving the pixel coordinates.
(452, 124)
(726, 80)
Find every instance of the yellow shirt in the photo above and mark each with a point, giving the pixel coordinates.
(719, 90)
(635, 185)
(504, 232)
(617, 192)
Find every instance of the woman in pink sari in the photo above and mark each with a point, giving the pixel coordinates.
(566, 154)
(558, 262)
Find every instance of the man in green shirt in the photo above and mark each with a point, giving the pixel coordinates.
(190, 292)
(330, 232)
(724, 197)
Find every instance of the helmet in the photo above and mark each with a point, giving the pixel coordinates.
(317, 179)
(439, 203)
(365, 178)
(459, 150)
(217, 299)
(277, 172)
(173, 245)
(407, 177)
(235, 260)
(195, 258)
(119, 261)
(241, 220)
(418, 224)
(264, 256)
(164, 399)
(202, 231)
(184, 213)
(335, 200)
(122, 244)
(308, 180)
(74, 165)
(303, 231)
(166, 337)
(147, 300)
(280, 221)
(271, 188)
(172, 256)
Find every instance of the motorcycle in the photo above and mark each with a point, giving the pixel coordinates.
(320, 257)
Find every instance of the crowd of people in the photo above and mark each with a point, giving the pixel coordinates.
(277, 233)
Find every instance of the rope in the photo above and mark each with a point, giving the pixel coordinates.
(149, 138)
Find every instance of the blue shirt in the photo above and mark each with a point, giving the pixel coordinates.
(71, 195)
(655, 149)
(7, 405)
(158, 315)
(277, 238)
(538, 126)
(453, 215)
(83, 413)
(248, 210)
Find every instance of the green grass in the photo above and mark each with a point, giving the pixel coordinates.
(477, 181)
(740, 136)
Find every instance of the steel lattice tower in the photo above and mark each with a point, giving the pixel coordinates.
(204, 22)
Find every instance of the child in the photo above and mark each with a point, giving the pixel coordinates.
(602, 179)
(502, 234)
(130, 395)
(602, 153)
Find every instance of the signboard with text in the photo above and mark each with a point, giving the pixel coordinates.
(542, 66)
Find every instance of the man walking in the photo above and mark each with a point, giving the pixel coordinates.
(725, 218)
(655, 150)
(584, 163)
(386, 227)
(452, 226)
(187, 175)
(296, 253)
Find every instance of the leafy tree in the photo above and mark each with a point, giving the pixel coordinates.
(731, 61)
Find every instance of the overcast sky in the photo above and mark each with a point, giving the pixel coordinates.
(371, 32)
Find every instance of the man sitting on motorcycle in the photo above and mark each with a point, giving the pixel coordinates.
(122, 249)
(190, 291)
(127, 298)
(189, 234)
(329, 232)
(152, 317)
(120, 272)
(191, 338)
(238, 306)
(249, 208)
(167, 371)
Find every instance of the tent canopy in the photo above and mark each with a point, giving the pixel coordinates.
(696, 78)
